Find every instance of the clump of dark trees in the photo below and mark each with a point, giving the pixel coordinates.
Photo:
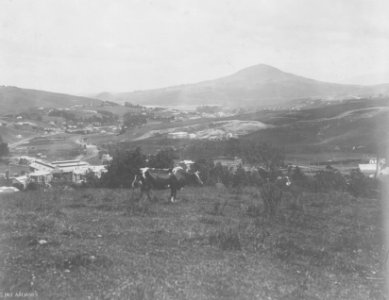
(126, 164)
(4, 151)
(131, 120)
(267, 161)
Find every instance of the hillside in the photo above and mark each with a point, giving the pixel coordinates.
(101, 244)
(348, 128)
(343, 126)
(254, 86)
(14, 99)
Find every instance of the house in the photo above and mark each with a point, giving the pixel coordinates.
(20, 182)
(40, 177)
(185, 164)
(39, 165)
(229, 162)
(69, 165)
(178, 135)
(78, 175)
(371, 168)
(96, 170)
(75, 171)
(68, 170)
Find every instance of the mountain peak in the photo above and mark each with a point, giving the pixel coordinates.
(259, 68)
(259, 73)
(258, 85)
(262, 67)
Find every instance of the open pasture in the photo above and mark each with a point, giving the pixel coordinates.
(212, 244)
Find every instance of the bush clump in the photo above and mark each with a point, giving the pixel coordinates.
(360, 185)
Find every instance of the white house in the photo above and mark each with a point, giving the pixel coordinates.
(39, 165)
(69, 165)
(371, 168)
(21, 181)
(75, 170)
(178, 135)
(40, 177)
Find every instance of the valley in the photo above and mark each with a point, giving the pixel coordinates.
(82, 232)
(346, 128)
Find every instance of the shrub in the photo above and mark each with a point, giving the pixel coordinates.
(32, 186)
(4, 150)
(206, 168)
(91, 180)
(164, 159)
(240, 177)
(124, 166)
(329, 179)
(359, 185)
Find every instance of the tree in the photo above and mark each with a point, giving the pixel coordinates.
(3, 148)
(262, 154)
(329, 179)
(360, 185)
(240, 177)
(205, 167)
(124, 166)
(297, 175)
(91, 180)
(164, 159)
(381, 140)
(131, 120)
(220, 173)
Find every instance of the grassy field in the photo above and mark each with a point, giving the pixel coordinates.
(212, 244)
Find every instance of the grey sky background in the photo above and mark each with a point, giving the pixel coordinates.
(91, 46)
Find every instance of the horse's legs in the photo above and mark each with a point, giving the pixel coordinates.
(149, 194)
(144, 190)
(173, 193)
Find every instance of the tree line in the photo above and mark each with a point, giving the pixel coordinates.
(126, 164)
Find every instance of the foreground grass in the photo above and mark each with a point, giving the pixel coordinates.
(213, 244)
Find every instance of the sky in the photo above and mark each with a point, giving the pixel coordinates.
(90, 46)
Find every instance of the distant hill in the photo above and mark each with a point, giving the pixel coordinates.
(105, 96)
(345, 128)
(254, 86)
(340, 126)
(14, 99)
